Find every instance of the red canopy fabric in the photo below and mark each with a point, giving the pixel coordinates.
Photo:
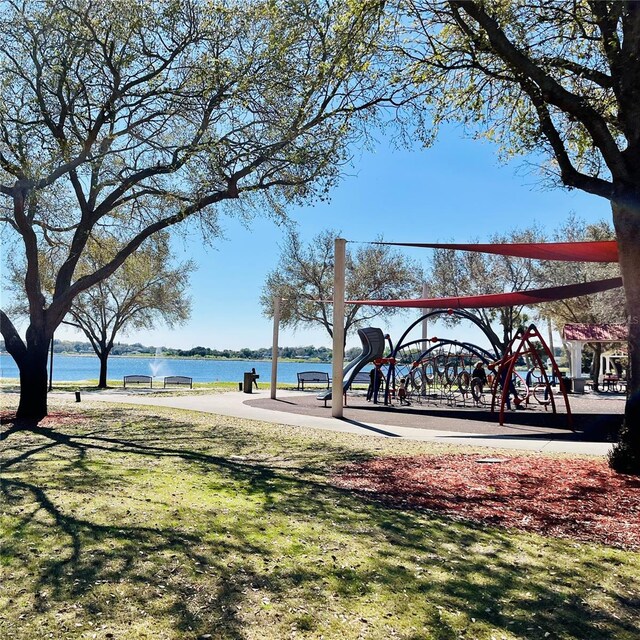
(596, 251)
(514, 299)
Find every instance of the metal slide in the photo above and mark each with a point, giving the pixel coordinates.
(372, 348)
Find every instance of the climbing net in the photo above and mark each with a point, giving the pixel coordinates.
(440, 373)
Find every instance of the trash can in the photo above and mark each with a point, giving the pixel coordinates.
(568, 384)
(248, 382)
(578, 385)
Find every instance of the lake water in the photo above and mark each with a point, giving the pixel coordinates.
(72, 368)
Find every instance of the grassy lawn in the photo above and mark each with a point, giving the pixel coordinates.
(131, 523)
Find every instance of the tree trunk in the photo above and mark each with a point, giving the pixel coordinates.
(102, 381)
(597, 356)
(33, 381)
(626, 218)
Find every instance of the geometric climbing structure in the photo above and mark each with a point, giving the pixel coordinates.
(528, 344)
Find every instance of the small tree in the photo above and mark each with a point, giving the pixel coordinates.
(145, 289)
(600, 308)
(470, 273)
(303, 280)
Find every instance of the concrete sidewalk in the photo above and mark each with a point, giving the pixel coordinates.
(241, 405)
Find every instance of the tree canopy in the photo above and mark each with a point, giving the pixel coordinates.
(600, 308)
(467, 273)
(148, 288)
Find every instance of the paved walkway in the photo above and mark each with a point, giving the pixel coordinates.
(444, 425)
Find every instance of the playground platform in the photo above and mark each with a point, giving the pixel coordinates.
(595, 417)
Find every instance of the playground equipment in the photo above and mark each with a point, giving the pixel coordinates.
(440, 371)
(528, 344)
(437, 371)
(373, 343)
(443, 371)
(603, 251)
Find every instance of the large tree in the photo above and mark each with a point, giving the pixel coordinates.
(303, 280)
(148, 288)
(557, 79)
(127, 118)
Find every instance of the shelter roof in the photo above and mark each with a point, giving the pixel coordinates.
(595, 332)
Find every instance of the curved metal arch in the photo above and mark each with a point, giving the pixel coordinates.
(456, 312)
(477, 351)
(472, 349)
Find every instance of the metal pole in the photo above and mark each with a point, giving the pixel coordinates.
(51, 366)
(550, 331)
(274, 347)
(425, 294)
(338, 328)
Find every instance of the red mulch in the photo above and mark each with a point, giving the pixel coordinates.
(580, 499)
(51, 421)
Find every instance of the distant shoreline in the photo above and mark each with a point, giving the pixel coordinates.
(172, 357)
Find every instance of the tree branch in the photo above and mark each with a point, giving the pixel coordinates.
(550, 90)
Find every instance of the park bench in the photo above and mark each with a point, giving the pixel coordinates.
(321, 377)
(362, 377)
(170, 380)
(146, 380)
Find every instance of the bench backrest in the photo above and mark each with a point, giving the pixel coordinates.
(313, 376)
(138, 378)
(362, 377)
(178, 380)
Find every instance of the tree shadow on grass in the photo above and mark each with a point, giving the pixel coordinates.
(261, 537)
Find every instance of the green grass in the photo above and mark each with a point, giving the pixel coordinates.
(137, 523)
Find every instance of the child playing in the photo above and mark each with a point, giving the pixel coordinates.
(402, 391)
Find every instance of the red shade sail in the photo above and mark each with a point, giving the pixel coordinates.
(514, 299)
(597, 251)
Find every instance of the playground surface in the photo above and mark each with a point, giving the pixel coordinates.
(532, 429)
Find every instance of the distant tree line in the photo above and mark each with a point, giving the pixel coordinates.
(309, 352)
(321, 354)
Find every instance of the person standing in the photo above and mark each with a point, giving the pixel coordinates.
(375, 378)
(503, 371)
(402, 392)
(478, 381)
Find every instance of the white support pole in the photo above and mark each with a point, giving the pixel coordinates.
(338, 327)
(550, 331)
(575, 361)
(274, 348)
(425, 294)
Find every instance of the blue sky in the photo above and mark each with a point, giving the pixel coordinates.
(455, 190)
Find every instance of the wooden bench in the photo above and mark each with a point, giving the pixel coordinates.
(146, 380)
(178, 380)
(321, 377)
